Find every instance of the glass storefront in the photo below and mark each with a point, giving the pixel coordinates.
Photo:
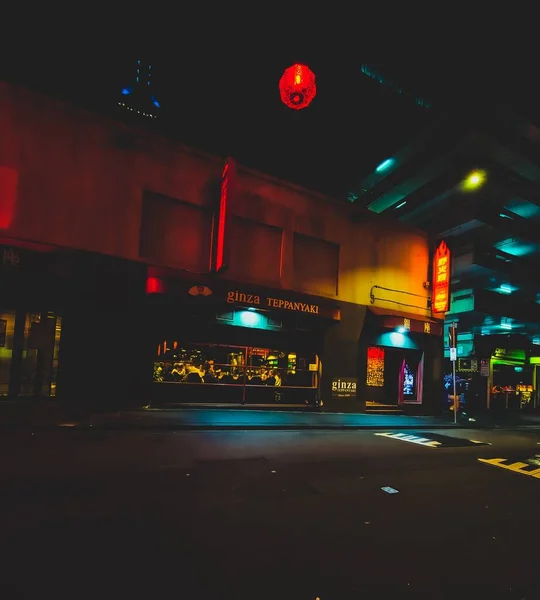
(7, 330)
(29, 347)
(394, 376)
(505, 381)
(511, 385)
(218, 373)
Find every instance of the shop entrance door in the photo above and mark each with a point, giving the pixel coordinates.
(403, 377)
(411, 376)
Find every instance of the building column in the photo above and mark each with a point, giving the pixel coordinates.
(342, 353)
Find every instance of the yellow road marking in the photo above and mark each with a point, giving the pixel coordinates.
(517, 467)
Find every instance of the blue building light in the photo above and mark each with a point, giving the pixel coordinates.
(385, 165)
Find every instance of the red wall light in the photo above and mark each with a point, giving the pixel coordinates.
(155, 285)
(297, 86)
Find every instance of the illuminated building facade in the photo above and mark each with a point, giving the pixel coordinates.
(175, 278)
(137, 100)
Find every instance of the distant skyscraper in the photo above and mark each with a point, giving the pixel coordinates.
(138, 100)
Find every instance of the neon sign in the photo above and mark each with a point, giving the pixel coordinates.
(440, 301)
(221, 227)
(222, 218)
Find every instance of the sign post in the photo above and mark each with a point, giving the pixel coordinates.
(452, 342)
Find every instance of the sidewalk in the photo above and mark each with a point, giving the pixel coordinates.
(226, 418)
(14, 416)
(505, 420)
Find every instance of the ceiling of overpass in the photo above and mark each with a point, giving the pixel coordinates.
(492, 226)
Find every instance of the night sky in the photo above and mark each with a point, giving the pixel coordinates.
(218, 87)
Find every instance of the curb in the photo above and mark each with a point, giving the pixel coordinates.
(239, 427)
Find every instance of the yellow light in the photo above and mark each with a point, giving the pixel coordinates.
(474, 180)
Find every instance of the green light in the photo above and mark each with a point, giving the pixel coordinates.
(385, 165)
(474, 180)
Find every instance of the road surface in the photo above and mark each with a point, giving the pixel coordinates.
(270, 514)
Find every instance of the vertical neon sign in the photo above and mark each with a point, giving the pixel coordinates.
(440, 301)
(221, 229)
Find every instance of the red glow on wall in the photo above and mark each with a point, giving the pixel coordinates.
(155, 285)
(440, 301)
(297, 86)
(8, 196)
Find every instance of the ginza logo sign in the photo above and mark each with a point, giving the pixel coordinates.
(241, 297)
(343, 386)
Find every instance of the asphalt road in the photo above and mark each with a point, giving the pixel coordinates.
(269, 514)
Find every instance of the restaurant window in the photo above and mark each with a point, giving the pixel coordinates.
(215, 364)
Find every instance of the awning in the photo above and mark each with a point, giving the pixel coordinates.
(396, 319)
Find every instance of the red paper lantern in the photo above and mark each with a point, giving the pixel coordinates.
(297, 86)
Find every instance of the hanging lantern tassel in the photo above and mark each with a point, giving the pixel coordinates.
(297, 86)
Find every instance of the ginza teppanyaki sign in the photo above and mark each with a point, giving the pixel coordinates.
(236, 297)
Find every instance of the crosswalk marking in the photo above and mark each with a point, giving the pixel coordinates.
(414, 439)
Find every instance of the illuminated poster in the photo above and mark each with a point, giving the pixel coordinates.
(408, 381)
(440, 301)
(375, 367)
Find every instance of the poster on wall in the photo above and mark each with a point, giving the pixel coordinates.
(344, 387)
(484, 367)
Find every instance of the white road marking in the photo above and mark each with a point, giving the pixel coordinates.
(413, 439)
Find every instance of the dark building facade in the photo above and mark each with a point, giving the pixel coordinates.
(138, 103)
(475, 183)
(178, 278)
